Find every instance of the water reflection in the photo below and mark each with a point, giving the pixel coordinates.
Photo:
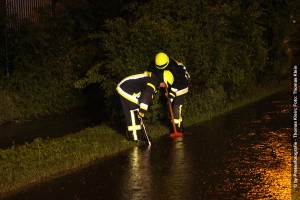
(272, 167)
(137, 182)
(246, 154)
(157, 173)
(277, 175)
(177, 184)
(267, 173)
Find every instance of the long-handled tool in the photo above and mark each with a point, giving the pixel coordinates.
(175, 134)
(142, 123)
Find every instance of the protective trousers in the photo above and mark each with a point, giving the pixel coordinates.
(177, 109)
(135, 131)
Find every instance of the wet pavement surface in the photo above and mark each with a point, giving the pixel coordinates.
(245, 154)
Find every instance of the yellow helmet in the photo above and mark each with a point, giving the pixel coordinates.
(168, 77)
(161, 60)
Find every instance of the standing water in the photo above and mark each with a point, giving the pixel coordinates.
(245, 154)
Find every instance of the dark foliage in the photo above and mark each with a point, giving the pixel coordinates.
(228, 46)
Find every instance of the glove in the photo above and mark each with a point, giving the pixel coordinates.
(140, 115)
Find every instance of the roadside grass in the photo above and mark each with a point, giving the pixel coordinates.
(28, 164)
(194, 115)
(25, 165)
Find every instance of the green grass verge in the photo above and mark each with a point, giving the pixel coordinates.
(25, 165)
(195, 116)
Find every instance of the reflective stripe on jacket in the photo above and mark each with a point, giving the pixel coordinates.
(139, 89)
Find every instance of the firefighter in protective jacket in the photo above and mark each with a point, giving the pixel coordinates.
(176, 77)
(136, 92)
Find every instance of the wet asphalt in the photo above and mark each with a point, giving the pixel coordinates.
(244, 154)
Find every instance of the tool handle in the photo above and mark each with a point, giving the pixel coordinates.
(171, 110)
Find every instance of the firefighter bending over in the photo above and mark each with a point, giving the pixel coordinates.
(136, 92)
(176, 77)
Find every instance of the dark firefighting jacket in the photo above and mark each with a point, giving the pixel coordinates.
(180, 73)
(139, 89)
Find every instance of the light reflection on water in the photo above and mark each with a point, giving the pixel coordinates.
(273, 155)
(245, 154)
(178, 174)
(272, 167)
(247, 160)
(149, 171)
(137, 182)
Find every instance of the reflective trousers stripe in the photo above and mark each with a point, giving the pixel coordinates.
(134, 127)
(179, 119)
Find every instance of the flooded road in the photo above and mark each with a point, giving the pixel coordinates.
(245, 154)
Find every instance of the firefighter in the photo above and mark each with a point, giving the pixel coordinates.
(176, 78)
(136, 92)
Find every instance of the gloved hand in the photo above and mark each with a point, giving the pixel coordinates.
(140, 115)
